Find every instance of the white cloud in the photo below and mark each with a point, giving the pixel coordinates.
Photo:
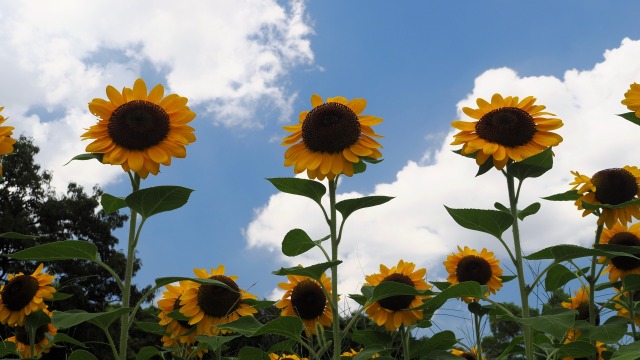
(227, 56)
(415, 226)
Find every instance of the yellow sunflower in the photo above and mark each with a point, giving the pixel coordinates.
(353, 353)
(573, 335)
(331, 137)
(23, 294)
(469, 355)
(210, 306)
(621, 266)
(6, 142)
(273, 356)
(632, 99)
(396, 310)
(140, 130)
(177, 332)
(305, 298)
(471, 265)
(580, 303)
(624, 300)
(610, 187)
(506, 129)
(42, 339)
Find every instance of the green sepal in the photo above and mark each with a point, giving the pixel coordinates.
(571, 195)
(313, 271)
(483, 168)
(59, 250)
(111, 203)
(631, 116)
(312, 189)
(493, 222)
(154, 200)
(297, 242)
(87, 156)
(349, 206)
(531, 167)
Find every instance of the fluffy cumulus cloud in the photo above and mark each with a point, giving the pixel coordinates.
(225, 56)
(415, 226)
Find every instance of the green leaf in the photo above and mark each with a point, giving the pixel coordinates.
(251, 353)
(360, 299)
(359, 167)
(151, 327)
(391, 288)
(148, 352)
(215, 342)
(507, 278)
(443, 340)
(529, 210)
(441, 285)
(577, 349)
(555, 322)
(58, 296)
(289, 326)
(259, 304)
(557, 276)
(7, 348)
(15, 235)
(245, 325)
(297, 242)
(463, 289)
(349, 206)
(627, 352)
(89, 156)
(367, 353)
(82, 355)
(60, 250)
(157, 199)
(485, 167)
(492, 222)
(60, 337)
(568, 252)
(610, 332)
(160, 282)
(312, 189)
(531, 167)
(571, 195)
(589, 206)
(502, 208)
(370, 337)
(313, 271)
(631, 116)
(631, 282)
(111, 203)
(65, 320)
(283, 346)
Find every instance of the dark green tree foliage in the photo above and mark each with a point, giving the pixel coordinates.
(29, 205)
(503, 331)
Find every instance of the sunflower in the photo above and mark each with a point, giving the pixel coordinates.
(580, 303)
(23, 294)
(621, 266)
(469, 265)
(573, 335)
(273, 356)
(140, 130)
(469, 355)
(42, 343)
(177, 332)
(394, 311)
(506, 129)
(610, 187)
(624, 301)
(210, 306)
(331, 137)
(6, 142)
(305, 298)
(353, 353)
(632, 99)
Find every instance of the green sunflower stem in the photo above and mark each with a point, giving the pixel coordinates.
(128, 275)
(524, 294)
(406, 336)
(476, 322)
(337, 346)
(593, 279)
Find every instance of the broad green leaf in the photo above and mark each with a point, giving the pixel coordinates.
(151, 327)
(60, 337)
(160, 282)
(58, 296)
(60, 250)
(296, 242)
(529, 210)
(111, 203)
(150, 201)
(392, 288)
(631, 282)
(492, 222)
(507, 278)
(370, 337)
(349, 206)
(567, 252)
(215, 342)
(7, 348)
(82, 355)
(440, 355)
(360, 299)
(464, 289)
(443, 340)
(313, 271)
(89, 156)
(259, 304)
(610, 332)
(441, 285)
(577, 349)
(627, 352)
(176, 314)
(531, 167)
(367, 353)
(502, 208)
(289, 326)
(589, 206)
(312, 189)
(251, 353)
(571, 195)
(65, 320)
(555, 322)
(148, 352)
(631, 116)
(557, 276)
(106, 318)
(17, 236)
(245, 325)
(283, 346)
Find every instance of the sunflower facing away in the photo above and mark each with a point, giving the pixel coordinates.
(331, 137)
(42, 341)
(305, 298)
(573, 335)
(394, 311)
(23, 294)
(610, 187)
(580, 303)
(468, 355)
(624, 301)
(6, 142)
(210, 305)
(471, 265)
(621, 266)
(274, 356)
(140, 130)
(178, 333)
(632, 99)
(506, 129)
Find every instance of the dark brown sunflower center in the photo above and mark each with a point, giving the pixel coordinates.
(19, 292)
(397, 302)
(468, 356)
(218, 301)
(474, 268)
(176, 306)
(138, 125)
(308, 300)
(507, 126)
(583, 313)
(614, 186)
(23, 336)
(330, 127)
(626, 239)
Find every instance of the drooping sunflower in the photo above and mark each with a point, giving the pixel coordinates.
(471, 265)
(353, 353)
(210, 306)
(140, 130)
(396, 310)
(632, 98)
(506, 129)
(573, 335)
(42, 343)
(580, 303)
(305, 298)
(177, 332)
(274, 356)
(621, 266)
(624, 300)
(6, 142)
(469, 355)
(23, 294)
(331, 137)
(610, 187)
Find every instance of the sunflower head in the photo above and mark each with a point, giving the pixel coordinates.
(23, 294)
(573, 335)
(471, 265)
(632, 99)
(580, 303)
(352, 353)
(506, 129)
(472, 354)
(6, 142)
(621, 266)
(609, 187)
(43, 334)
(307, 299)
(331, 137)
(624, 301)
(274, 356)
(177, 332)
(391, 312)
(140, 130)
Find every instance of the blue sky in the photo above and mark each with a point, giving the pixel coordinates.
(248, 68)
